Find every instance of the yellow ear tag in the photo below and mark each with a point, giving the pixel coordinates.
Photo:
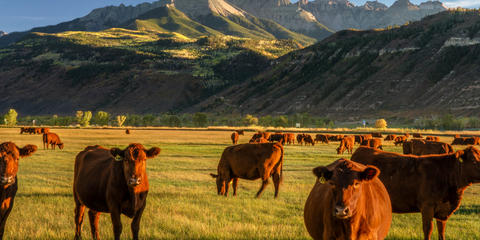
(118, 158)
(460, 160)
(322, 179)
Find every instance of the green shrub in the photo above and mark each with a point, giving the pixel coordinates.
(10, 119)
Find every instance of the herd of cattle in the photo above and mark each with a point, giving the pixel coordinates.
(351, 199)
(354, 199)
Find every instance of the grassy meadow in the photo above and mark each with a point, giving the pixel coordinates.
(182, 203)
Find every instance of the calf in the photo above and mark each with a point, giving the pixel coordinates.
(9, 157)
(373, 143)
(430, 184)
(53, 140)
(249, 161)
(346, 144)
(234, 137)
(111, 181)
(348, 201)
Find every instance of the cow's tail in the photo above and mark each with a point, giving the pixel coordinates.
(281, 165)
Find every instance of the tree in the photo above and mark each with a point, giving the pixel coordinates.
(10, 118)
(121, 120)
(281, 121)
(200, 120)
(381, 123)
(250, 120)
(101, 118)
(85, 119)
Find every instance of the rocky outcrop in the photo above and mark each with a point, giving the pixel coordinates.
(2, 33)
(195, 8)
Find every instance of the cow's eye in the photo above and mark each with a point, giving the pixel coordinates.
(356, 185)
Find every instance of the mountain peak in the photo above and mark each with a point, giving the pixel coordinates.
(374, 6)
(404, 4)
(205, 7)
(2, 33)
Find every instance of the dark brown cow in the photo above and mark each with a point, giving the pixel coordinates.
(358, 139)
(259, 140)
(234, 137)
(277, 137)
(457, 136)
(9, 157)
(430, 184)
(373, 143)
(348, 201)
(240, 132)
(400, 140)
(23, 130)
(127, 131)
(249, 161)
(390, 137)
(44, 130)
(377, 135)
(53, 140)
(346, 143)
(433, 138)
(111, 181)
(420, 147)
(290, 137)
(321, 138)
(308, 139)
(472, 141)
(406, 135)
(256, 136)
(417, 135)
(300, 138)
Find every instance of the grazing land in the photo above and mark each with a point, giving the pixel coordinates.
(183, 203)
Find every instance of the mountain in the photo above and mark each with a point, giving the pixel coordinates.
(426, 67)
(2, 33)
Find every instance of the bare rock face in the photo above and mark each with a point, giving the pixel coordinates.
(2, 33)
(196, 8)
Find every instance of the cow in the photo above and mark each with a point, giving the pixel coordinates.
(37, 130)
(373, 143)
(234, 137)
(290, 137)
(258, 140)
(420, 147)
(23, 130)
(358, 139)
(256, 136)
(390, 137)
(459, 141)
(44, 130)
(346, 144)
(406, 135)
(251, 162)
(457, 136)
(433, 138)
(240, 132)
(53, 140)
(348, 201)
(266, 135)
(336, 138)
(367, 137)
(400, 140)
(430, 184)
(321, 138)
(417, 135)
(466, 141)
(300, 138)
(127, 131)
(377, 135)
(111, 181)
(9, 157)
(308, 139)
(277, 137)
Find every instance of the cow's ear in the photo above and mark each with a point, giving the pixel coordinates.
(27, 150)
(323, 174)
(153, 152)
(459, 155)
(214, 175)
(117, 152)
(369, 173)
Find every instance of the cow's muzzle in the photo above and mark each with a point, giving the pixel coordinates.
(134, 181)
(342, 212)
(7, 180)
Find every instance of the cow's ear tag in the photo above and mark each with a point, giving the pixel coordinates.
(322, 179)
(118, 158)
(460, 160)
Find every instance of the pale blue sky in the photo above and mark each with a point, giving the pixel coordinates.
(21, 15)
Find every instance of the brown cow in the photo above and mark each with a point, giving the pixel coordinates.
(406, 135)
(258, 140)
(346, 143)
(433, 138)
(127, 131)
(9, 157)
(358, 139)
(23, 130)
(44, 130)
(256, 136)
(336, 138)
(472, 141)
(400, 140)
(457, 136)
(430, 184)
(111, 181)
(390, 137)
(249, 161)
(417, 135)
(308, 139)
(290, 137)
(377, 135)
(373, 143)
(234, 137)
(348, 201)
(240, 132)
(420, 147)
(266, 135)
(321, 138)
(53, 140)
(37, 130)
(277, 137)
(300, 138)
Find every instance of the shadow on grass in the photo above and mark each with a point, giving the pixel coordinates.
(468, 210)
(44, 195)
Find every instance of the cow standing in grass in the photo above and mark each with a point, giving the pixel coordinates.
(9, 156)
(346, 143)
(235, 136)
(53, 140)
(111, 181)
(251, 162)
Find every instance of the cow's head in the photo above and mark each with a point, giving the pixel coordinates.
(9, 156)
(469, 159)
(220, 183)
(341, 148)
(347, 180)
(134, 161)
(60, 145)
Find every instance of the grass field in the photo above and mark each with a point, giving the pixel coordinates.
(182, 202)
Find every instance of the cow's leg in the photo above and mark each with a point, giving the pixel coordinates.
(235, 184)
(4, 216)
(135, 226)
(427, 217)
(93, 216)
(264, 184)
(79, 211)
(227, 186)
(117, 223)
(276, 182)
(441, 228)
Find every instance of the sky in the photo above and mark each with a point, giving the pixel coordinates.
(22, 15)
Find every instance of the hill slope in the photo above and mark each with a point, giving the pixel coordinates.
(429, 66)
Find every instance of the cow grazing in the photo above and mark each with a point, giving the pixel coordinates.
(417, 135)
(258, 140)
(111, 181)
(38, 130)
(277, 137)
(346, 143)
(321, 138)
(420, 147)
(406, 135)
(433, 138)
(127, 131)
(290, 138)
(45, 130)
(251, 162)
(466, 141)
(300, 138)
(9, 157)
(240, 132)
(377, 135)
(23, 130)
(235, 136)
(457, 136)
(308, 139)
(53, 140)
(348, 201)
(373, 143)
(400, 140)
(256, 136)
(336, 138)
(390, 137)
(430, 184)
(266, 135)
(358, 139)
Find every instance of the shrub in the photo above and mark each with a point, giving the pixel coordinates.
(121, 120)
(101, 118)
(250, 120)
(10, 118)
(83, 118)
(200, 120)
(381, 123)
